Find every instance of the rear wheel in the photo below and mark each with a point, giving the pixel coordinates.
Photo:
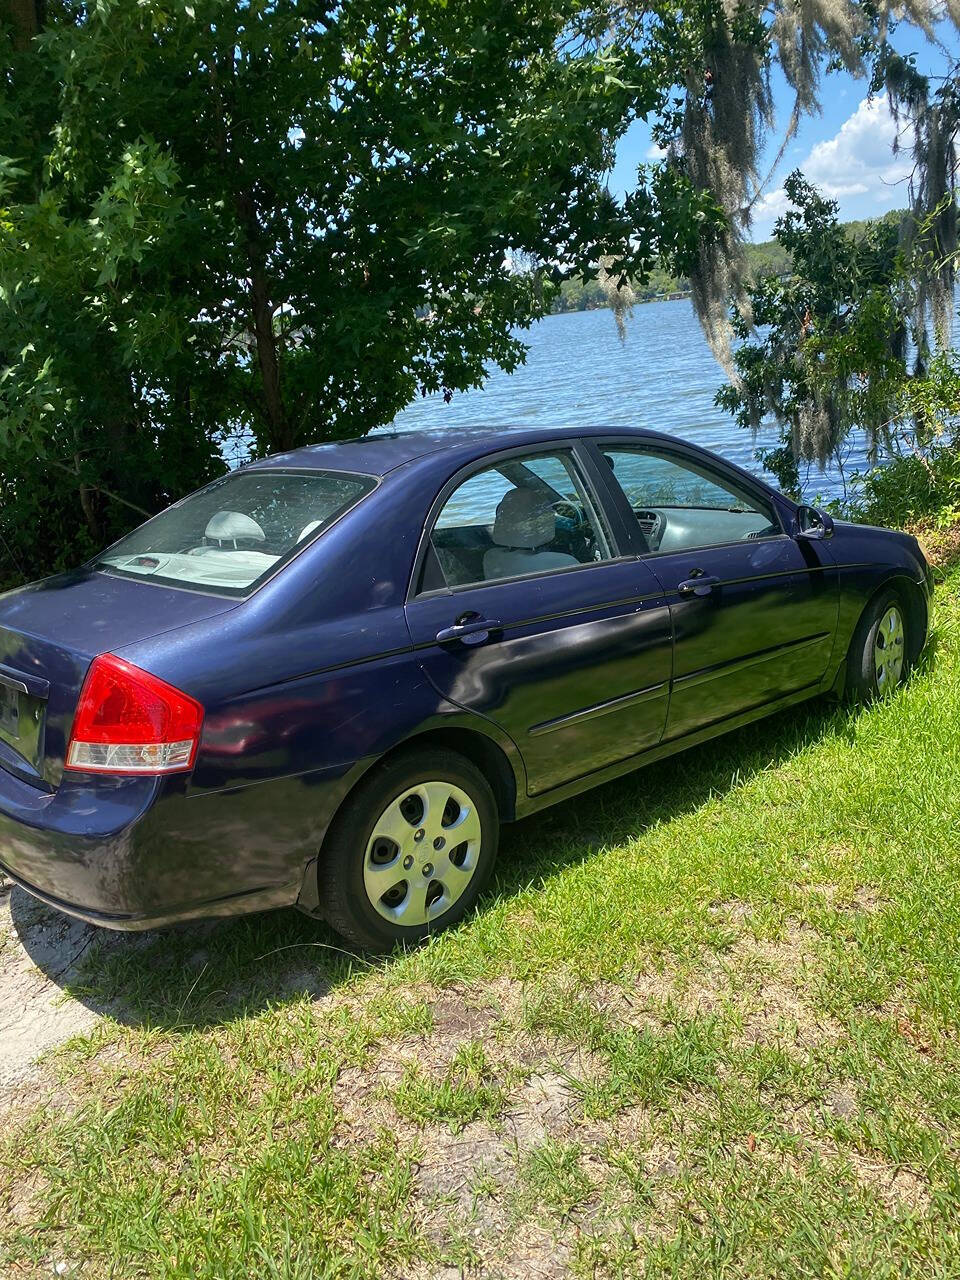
(879, 657)
(411, 850)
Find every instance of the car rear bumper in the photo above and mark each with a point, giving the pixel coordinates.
(135, 853)
(76, 844)
(250, 900)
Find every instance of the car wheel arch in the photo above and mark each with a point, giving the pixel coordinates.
(480, 749)
(477, 747)
(915, 604)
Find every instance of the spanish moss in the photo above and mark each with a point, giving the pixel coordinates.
(618, 292)
(728, 116)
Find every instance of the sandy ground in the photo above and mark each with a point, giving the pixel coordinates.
(39, 951)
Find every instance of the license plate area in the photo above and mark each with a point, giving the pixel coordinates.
(21, 722)
(9, 713)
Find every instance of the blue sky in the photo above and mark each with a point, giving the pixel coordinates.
(847, 151)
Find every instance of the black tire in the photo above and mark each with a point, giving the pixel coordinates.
(347, 854)
(864, 683)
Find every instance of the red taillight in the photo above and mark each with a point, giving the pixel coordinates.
(128, 721)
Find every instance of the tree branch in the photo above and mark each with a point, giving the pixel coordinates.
(99, 488)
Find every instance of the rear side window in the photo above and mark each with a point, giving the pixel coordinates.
(230, 536)
(520, 516)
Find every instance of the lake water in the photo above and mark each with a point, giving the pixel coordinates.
(578, 373)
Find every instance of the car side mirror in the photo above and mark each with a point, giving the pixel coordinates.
(814, 524)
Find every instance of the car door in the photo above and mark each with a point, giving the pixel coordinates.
(754, 609)
(526, 611)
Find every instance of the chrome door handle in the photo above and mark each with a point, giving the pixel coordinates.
(470, 630)
(701, 585)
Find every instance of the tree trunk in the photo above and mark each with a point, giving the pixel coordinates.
(87, 504)
(281, 436)
(26, 17)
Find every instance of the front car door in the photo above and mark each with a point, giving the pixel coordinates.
(525, 610)
(754, 610)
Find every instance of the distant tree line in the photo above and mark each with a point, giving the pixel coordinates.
(768, 258)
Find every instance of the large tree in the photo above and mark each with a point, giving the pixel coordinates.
(837, 343)
(284, 219)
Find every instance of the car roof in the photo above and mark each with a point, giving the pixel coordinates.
(384, 451)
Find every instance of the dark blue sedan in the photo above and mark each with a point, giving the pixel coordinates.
(328, 677)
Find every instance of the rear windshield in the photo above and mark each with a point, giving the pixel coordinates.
(230, 536)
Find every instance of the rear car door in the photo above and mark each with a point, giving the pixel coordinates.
(754, 609)
(526, 611)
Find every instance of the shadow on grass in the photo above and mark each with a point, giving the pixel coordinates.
(202, 974)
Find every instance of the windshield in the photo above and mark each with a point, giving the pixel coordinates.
(233, 534)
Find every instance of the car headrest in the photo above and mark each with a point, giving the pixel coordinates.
(228, 526)
(307, 529)
(524, 519)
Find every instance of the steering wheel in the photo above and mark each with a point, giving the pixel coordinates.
(568, 510)
(767, 531)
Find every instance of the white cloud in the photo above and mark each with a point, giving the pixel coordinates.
(859, 160)
(857, 167)
(771, 205)
(654, 152)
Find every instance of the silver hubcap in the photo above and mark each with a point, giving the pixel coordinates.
(888, 650)
(422, 853)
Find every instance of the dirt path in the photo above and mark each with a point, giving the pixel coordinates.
(39, 951)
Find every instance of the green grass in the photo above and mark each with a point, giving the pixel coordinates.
(707, 1024)
(466, 1091)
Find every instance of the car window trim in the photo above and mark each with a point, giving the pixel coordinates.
(682, 453)
(714, 547)
(521, 577)
(572, 447)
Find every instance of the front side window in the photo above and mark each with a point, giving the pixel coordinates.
(516, 517)
(231, 535)
(680, 506)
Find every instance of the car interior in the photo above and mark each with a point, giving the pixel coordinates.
(679, 506)
(231, 534)
(534, 529)
(675, 528)
(230, 552)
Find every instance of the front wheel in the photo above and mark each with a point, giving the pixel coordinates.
(879, 655)
(410, 851)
